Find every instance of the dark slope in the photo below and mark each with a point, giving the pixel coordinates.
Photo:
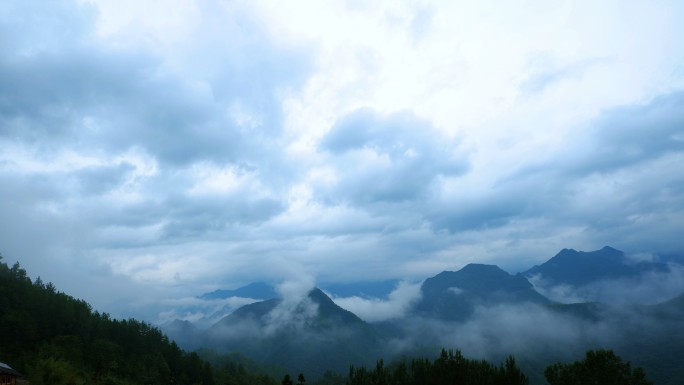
(671, 309)
(184, 333)
(308, 336)
(454, 295)
(651, 336)
(654, 339)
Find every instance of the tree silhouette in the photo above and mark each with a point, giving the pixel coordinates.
(600, 367)
(56, 339)
(449, 368)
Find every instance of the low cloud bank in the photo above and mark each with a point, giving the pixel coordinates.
(549, 334)
(646, 289)
(201, 312)
(295, 309)
(375, 309)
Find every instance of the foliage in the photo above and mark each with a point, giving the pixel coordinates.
(55, 339)
(235, 368)
(600, 367)
(450, 368)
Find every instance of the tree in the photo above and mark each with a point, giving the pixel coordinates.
(600, 367)
(53, 371)
(449, 368)
(300, 379)
(55, 339)
(511, 374)
(287, 380)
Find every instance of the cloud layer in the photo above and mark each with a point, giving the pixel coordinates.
(174, 149)
(373, 309)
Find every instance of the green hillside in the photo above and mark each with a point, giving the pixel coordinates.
(54, 339)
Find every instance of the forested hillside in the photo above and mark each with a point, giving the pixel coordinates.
(55, 339)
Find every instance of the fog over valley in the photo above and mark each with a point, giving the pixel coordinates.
(481, 310)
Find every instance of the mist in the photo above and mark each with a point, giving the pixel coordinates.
(501, 315)
(374, 309)
(647, 288)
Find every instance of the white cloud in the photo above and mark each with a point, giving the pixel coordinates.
(455, 290)
(648, 288)
(205, 140)
(376, 309)
(200, 312)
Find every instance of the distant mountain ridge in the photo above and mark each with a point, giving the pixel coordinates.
(308, 335)
(453, 295)
(257, 290)
(263, 290)
(574, 267)
(314, 333)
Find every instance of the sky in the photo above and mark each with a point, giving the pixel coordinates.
(152, 151)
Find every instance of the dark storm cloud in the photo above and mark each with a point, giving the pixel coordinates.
(180, 215)
(53, 75)
(107, 144)
(32, 224)
(599, 181)
(627, 136)
(491, 210)
(619, 138)
(57, 187)
(98, 180)
(388, 159)
(193, 217)
(86, 98)
(76, 92)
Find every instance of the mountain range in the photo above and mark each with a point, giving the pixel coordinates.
(480, 309)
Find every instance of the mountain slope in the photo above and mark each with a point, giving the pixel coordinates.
(309, 335)
(578, 268)
(454, 295)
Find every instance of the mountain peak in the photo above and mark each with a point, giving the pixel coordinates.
(480, 268)
(608, 249)
(296, 334)
(567, 251)
(328, 308)
(474, 277)
(318, 296)
(580, 267)
(453, 295)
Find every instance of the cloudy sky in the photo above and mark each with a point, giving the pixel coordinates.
(161, 149)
